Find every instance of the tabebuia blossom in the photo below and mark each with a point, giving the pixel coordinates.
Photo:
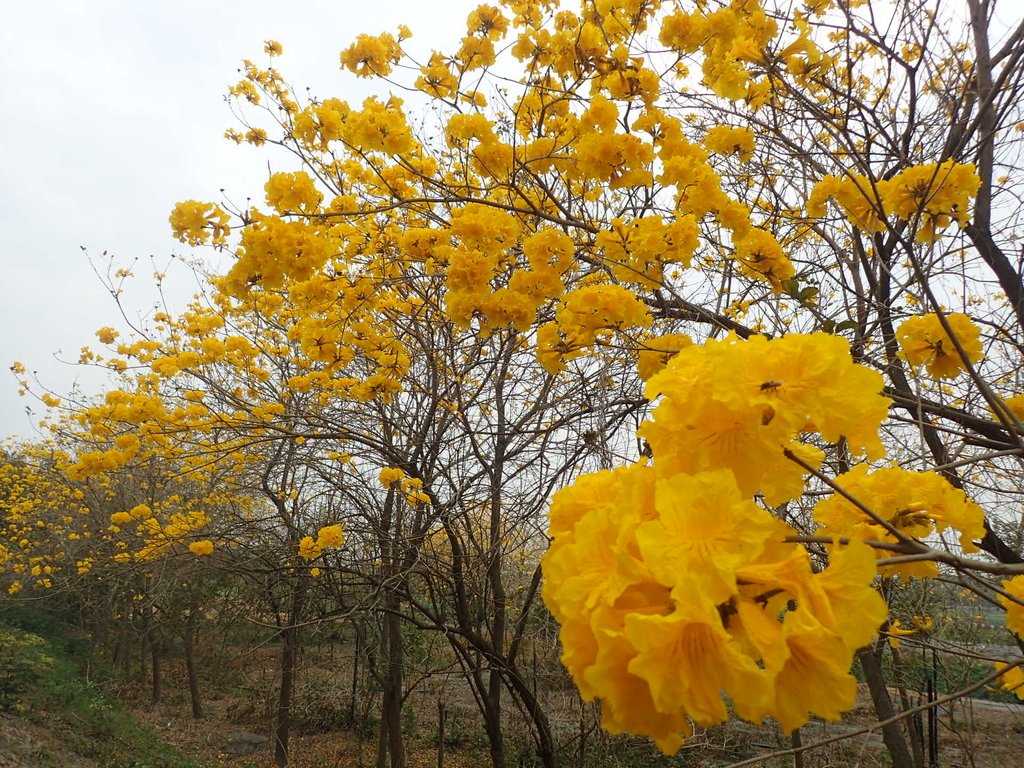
(679, 596)
(924, 341)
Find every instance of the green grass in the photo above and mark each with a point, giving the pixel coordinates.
(42, 684)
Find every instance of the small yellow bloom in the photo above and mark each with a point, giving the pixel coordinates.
(201, 548)
(330, 536)
(390, 476)
(309, 549)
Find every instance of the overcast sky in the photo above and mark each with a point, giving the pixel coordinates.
(111, 112)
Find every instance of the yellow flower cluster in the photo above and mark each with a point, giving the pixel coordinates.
(328, 537)
(595, 310)
(197, 223)
(485, 257)
(731, 140)
(855, 196)
(914, 504)
(587, 316)
(372, 55)
(437, 79)
(137, 513)
(930, 196)
(638, 250)
(654, 353)
(292, 193)
(321, 123)
(923, 341)
(761, 257)
(271, 249)
(158, 537)
(731, 38)
(673, 588)
(1013, 602)
(201, 548)
(738, 404)
(616, 159)
(1016, 405)
(1011, 680)
(389, 476)
(667, 605)
(380, 127)
(414, 493)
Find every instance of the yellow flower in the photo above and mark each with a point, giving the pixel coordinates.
(592, 311)
(761, 257)
(1011, 680)
(1013, 602)
(739, 404)
(916, 503)
(256, 136)
(688, 659)
(292, 192)
(593, 566)
(369, 55)
(931, 195)
(923, 341)
(487, 21)
(815, 677)
(437, 79)
(728, 140)
(200, 548)
(703, 532)
(309, 549)
(330, 536)
(390, 476)
(655, 352)
(856, 195)
(896, 631)
(1016, 405)
(107, 335)
(671, 591)
(857, 610)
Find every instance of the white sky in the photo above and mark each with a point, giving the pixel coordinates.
(111, 112)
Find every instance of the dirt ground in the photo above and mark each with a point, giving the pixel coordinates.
(972, 733)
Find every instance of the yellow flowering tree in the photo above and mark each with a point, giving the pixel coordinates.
(116, 549)
(747, 261)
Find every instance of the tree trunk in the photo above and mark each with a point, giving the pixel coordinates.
(492, 720)
(291, 642)
(541, 727)
(123, 649)
(190, 664)
(440, 733)
(394, 648)
(391, 717)
(359, 642)
(891, 733)
(495, 580)
(157, 677)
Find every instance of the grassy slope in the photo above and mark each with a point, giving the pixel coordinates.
(50, 715)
